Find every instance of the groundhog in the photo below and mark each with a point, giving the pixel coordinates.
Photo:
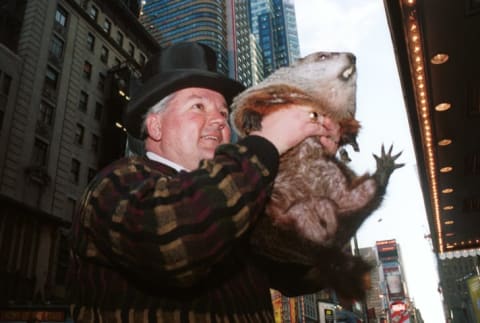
(317, 203)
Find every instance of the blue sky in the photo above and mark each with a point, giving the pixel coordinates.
(361, 27)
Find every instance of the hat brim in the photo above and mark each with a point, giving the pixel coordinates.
(164, 84)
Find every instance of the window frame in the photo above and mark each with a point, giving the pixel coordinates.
(75, 170)
(79, 134)
(87, 70)
(83, 101)
(61, 16)
(39, 152)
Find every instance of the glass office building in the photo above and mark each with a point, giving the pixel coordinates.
(274, 25)
(185, 20)
(235, 29)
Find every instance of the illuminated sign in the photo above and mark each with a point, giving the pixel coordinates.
(398, 307)
(32, 315)
(329, 316)
(387, 250)
(399, 312)
(386, 242)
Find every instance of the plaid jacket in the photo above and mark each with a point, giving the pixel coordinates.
(153, 245)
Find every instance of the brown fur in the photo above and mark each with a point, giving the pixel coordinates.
(317, 203)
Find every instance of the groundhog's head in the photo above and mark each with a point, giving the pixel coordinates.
(325, 81)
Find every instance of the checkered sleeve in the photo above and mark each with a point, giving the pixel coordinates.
(172, 229)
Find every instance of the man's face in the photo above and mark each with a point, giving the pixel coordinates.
(191, 127)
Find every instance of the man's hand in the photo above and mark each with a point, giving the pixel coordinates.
(287, 127)
(331, 139)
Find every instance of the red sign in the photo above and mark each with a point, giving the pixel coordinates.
(399, 312)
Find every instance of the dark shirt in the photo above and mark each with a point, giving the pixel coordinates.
(153, 245)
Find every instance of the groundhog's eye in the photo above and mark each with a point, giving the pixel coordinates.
(323, 57)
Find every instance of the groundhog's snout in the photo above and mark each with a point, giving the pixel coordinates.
(348, 72)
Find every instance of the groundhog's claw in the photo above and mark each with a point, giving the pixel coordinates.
(385, 166)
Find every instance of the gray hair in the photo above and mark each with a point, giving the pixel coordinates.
(156, 108)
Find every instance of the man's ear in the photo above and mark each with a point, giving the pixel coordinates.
(153, 123)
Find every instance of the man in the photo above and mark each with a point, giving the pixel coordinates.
(164, 237)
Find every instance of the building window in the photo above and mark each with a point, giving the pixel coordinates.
(90, 42)
(56, 48)
(101, 82)
(79, 134)
(75, 170)
(107, 26)
(6, 82)
(51, 78)
(93, 12)
(94, 143)
(39, 156)
(472, 164)
(87, 70)
(119, 38)
(46, 113)
(50, 84)
(104, 55)
(98, 111)
(131, 49)
(83, 102)
(117, 62)
(61, 17)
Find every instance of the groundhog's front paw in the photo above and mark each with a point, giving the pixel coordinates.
(385, 166)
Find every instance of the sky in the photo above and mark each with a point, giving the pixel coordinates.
(361, 27)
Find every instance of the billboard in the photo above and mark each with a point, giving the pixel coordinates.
(284, 308)
(394, 282)
(399, 312)
(277, 305)
(387, 250)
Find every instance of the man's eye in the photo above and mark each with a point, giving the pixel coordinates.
(224, 114)
(198, 106)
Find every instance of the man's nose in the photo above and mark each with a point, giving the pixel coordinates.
(217, 117)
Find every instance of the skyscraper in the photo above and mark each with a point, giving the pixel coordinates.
(274, 25)
(62, 66)
(291, 31)
(251, 38)
(240, 56)
(185, 20)
(393, 287)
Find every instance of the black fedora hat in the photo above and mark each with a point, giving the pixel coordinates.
(179, 66)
